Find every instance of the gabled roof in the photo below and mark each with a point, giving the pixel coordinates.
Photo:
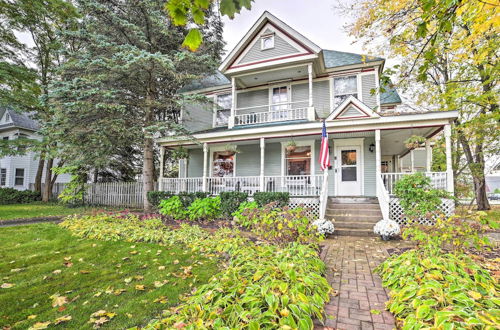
(264, 19)
(213, 80)
(389, 95)
(19, 120)
(356, 109)
(333, 58)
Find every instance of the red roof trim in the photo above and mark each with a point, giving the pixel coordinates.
(354, 105)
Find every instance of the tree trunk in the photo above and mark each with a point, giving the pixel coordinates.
(39, 175)
(148, 157)
(47, 189)
(96, 175)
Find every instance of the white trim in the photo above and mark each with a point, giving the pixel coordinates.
(302, 143)
(211, 151)
(265, 37)
(356, 102)
(354, 142)
(302, 58)
(270, 94)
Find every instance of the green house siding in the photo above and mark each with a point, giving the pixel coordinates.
(321, 98)
(195, 163)
(369, 167)
(272, 164)
(281, 48)
(368, 83)
(197, 116)
(248, 160)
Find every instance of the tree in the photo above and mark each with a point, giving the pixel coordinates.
(449, 58)
(120, 89)
(27, 70)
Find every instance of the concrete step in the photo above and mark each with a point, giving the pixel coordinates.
(354, 232)
(353, 225)
(354, 212)
(353, 200)
(348, 218)
(354, 206)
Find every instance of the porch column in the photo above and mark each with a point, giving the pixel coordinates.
(205, 161)
(233, 103)
(412, 161)
(398, 164)
(378, 159)
(449, 168)
(162, 165)
(262, 162)
(428, 155)
(309, 72)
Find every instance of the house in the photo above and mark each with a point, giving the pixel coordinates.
(262, 129)
(19, 172)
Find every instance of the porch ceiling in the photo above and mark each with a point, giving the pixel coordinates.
(267, 77)
(392, 141)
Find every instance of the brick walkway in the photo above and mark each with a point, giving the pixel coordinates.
(350, 261)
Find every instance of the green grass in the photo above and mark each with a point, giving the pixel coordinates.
(33, 258)
(39, 209)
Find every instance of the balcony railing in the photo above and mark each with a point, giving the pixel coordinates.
(438, 180)
(271, 113)
(296, 185)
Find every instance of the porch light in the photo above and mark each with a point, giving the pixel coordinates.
(371, 147)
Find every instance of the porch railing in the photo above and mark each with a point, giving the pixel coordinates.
(271, 113)
(296, 185)
(438, 180)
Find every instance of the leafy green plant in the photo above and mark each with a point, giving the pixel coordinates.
(205, 209)
(441, 291)
(231, 200)
(188, 198)
(414, 141)
(247, 214)
(418, 198)
(155, 197)
(14, 196)
(264, 198)
(173, 208)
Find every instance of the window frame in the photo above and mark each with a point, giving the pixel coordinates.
(358, 88)
(3, 177)
(217, 108)
(266, 37)
(212, 151)
(16, 177)
(280, 104)
(306, 143)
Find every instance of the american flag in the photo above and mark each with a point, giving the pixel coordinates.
(324, 155)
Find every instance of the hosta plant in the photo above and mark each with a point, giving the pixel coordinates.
(204, 209)
(387, 229)
(324, 227)
(173, 208)
(247, 214)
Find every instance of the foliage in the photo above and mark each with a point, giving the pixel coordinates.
(73, 192)
(440, 291)
(246, 214)
(173, 208)
(414, 141)
(231, 201)
(208, 208)
(324, 227)
(188, 198)
(417, 197)
(155, 197)
(54, 274)
(42, 209)
(193, 13)
(14, 196)
(387, 228)
(264, 198)
(456, 234)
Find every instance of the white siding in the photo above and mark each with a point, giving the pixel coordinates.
(368, 83)
(369, 168)
(281, 48)
(321, 98)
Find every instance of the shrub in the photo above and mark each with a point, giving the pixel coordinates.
(265, 198)
(442, 291)
(14, 196)
(387, 229)
(246, 214)
(324, 227)
(205, 209)
(173, 208)
(231, 200)
(188, 198)
(417, 197)
(155, 197)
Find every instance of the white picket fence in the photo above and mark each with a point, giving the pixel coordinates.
(125, 194)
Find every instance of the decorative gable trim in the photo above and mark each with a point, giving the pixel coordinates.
(265, 22)
(340, 113)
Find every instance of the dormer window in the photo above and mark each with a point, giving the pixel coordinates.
(267, 42)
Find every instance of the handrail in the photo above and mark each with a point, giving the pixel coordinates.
(271, 105)
(383, 198)
(323, 198)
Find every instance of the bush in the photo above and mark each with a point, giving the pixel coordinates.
(188, 198)
(265, 198)
(14, 196)
(417, 197)
(246, 214)
(231, 200)
(173, 208)
(205, 209)
(155, 197)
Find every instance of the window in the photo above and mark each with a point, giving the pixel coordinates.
(19, 178)
(298, 162)
(223, 110)
(3, 177)
(223, 164)
(343, 88)
(279, 98)
(22, 148)
(267, 42)
(349, 165)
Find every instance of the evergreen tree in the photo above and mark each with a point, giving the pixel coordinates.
(120, 88)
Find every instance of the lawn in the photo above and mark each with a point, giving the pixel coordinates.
(18, 211)
(46, 274)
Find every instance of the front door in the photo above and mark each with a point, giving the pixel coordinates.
(348, 170)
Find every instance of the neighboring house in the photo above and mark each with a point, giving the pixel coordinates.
(275, 89)
(19, 172)
(493, 179)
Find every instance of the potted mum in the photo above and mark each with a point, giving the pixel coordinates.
(386, 229)
(291, 146)
(324, 227)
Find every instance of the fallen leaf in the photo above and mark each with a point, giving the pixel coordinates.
(15, 270)
(176, 262)
(57, 271)
(158, 284)
(118, 292)
(161, 300)
(40, 325)
(31, 317)
(97, 294)
(68, 264)
(6, 285)
(161, 268)
(133, 252)
(140, 287)
(61, 308)
(128, 280)
(375, 311)
(67, 258)
(138, 277)
(58, 300)
(62, 319)
(83, 271)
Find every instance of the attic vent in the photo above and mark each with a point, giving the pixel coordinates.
(267, 42)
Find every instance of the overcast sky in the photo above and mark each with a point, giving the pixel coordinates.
(315, 19)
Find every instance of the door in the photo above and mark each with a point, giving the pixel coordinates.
(348, 170)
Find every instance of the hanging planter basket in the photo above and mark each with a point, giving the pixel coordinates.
(414, 142)
(229, 150)
(291, 146)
